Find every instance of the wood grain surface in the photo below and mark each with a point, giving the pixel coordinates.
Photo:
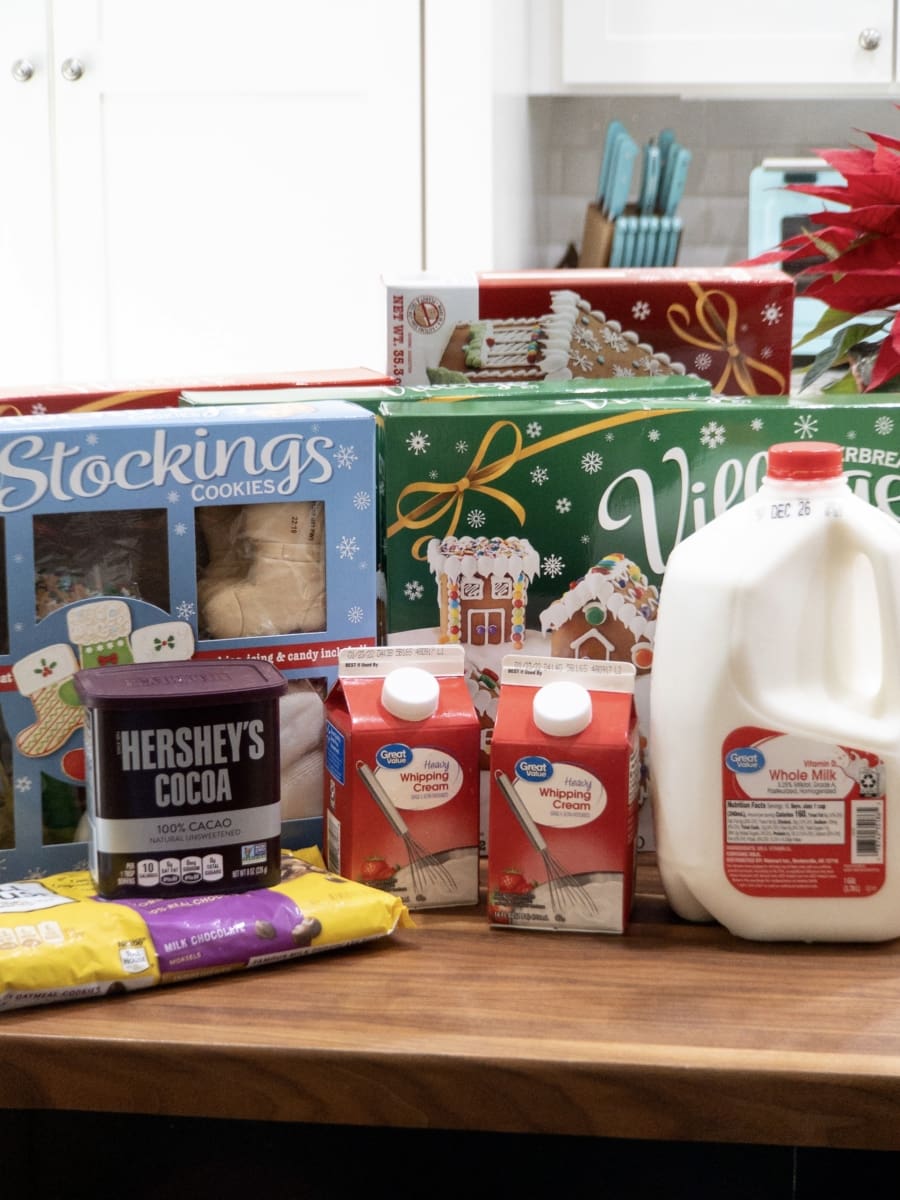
(673, 1031)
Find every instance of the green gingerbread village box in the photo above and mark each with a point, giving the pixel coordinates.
(544, 525)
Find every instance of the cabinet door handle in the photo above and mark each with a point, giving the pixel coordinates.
(870, 39)
(72, 69)
(22, 70)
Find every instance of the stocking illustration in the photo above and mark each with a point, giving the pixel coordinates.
(100, 630)
(169, 641)
(41, 676)
(284, 588)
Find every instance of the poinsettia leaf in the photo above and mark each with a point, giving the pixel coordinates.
(798, 246)
(870, 253)
(873, 189)
(886, 160)
(837, 352)
(887, 363)
(856, 292)
(874, 218)
(846, 385)
(835, 193)
(883, 139)
(829, 320)
(855, 161)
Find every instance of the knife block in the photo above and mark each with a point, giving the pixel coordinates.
(596, 240)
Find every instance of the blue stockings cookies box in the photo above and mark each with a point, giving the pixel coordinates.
(157, 535)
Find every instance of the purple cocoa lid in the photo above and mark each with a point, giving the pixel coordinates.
(178, 684)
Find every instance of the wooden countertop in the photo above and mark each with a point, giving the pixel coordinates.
(673, 1031)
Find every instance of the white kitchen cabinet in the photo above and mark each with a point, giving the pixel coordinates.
(704, 46)
(204, 186)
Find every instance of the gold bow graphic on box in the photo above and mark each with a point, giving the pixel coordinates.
(721, 335)
(442, 498)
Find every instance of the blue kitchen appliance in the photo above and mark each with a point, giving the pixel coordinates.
(777, 213)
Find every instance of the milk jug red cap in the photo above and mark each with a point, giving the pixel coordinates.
(805, 460)
(561, 709)
(410, 693)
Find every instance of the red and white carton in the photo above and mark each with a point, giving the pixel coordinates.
(563, 811)
(402, 742)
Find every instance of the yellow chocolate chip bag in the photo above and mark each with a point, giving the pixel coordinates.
(60, 941)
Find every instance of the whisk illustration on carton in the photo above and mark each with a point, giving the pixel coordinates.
(402, 744)
(566, 891)
(565, 774)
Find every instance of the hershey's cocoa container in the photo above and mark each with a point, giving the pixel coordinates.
(183, 779)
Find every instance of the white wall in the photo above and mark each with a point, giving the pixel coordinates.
(728, 138)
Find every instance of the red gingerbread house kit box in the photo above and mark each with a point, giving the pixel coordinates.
(543, 527)
(732, 326)
(161, 393)
(247, 532)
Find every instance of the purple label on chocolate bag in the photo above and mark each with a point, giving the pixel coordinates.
(193, 933)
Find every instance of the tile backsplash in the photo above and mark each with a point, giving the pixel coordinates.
(728, 139)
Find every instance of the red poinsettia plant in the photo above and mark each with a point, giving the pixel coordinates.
(849, 258)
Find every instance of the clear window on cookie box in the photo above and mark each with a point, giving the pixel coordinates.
(260, 569)
(79, 555)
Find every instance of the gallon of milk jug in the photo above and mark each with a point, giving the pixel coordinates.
(774, 731)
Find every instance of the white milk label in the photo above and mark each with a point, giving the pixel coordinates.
(801, 817)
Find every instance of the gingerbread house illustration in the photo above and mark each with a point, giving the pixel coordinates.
(572, 341)
(483, 588)
(610, 613)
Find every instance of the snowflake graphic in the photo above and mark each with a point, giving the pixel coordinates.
(362, 501)
(640, 310)
(355, 614)
(18, 627)
(553, 565)
(806, 426)
(851, 435)
(766, 352)
(615, 340)
(179, 529)
(756, 424)
(563, 504)
(703, 361)
(884, 426)
(417, 443)
(23, 784)
(533, 429)
(540, 475)
(580, 360)
(712, 435)
(652, 435)
(620, 372)
(173, 497)
(345, 457)
(476, 518)
(432, 474)
(585, 539)
(185, 610)
(18, 557)
(649, 365)
(586, 338)
(413, 590)
(39, 409)
(610, 436)
(461, 446)
(591, 462)
(347, 547)
(92, 439)
(772, 313)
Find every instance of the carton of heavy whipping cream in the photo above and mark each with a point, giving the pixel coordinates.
(402, 743)
(565, 779)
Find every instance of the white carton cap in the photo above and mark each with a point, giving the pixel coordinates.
(410, 693)
(562, 709)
